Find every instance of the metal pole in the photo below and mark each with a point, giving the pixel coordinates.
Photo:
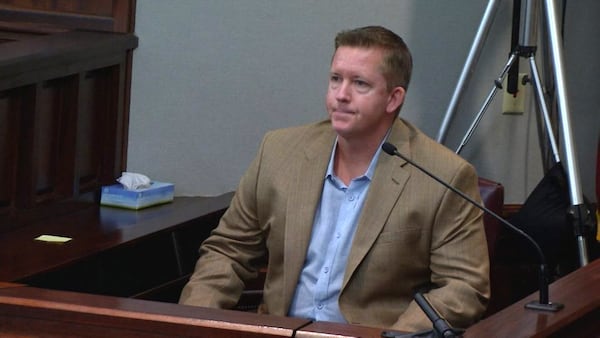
(497, 85)
(528, 39)
(537, 86)
(563, 110)
(472, 58)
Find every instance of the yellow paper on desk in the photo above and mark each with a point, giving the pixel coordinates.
(52, 239)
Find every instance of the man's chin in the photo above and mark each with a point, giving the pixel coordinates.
(341, 129)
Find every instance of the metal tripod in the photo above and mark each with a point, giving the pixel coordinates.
(578, 210)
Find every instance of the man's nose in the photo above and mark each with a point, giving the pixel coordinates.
(343, 92)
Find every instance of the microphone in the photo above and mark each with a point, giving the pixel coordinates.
(441, 328)
(543, 304)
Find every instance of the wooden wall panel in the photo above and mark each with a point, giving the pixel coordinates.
(101, 15)
(98, 121)
(55, 117)
(47, 129)
(64, 121)
(91, 7)
(8, 140)
(65, 72)
(24, 108)
(89, 134)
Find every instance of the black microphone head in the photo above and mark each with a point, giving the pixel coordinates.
(389, 148)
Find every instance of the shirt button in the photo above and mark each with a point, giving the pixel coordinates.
(320, 306)
(351, 198)
(326, 269)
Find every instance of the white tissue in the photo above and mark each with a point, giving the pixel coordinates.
(134, 181)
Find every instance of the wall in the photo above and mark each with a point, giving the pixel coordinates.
(211, 76)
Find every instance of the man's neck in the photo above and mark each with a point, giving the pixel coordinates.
(352, 158)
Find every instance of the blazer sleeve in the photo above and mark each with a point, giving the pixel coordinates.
(459, 260)
(229, 255)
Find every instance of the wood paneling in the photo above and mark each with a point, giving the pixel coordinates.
(91, 7)
(64, 121)
(8, 149)
(42, 15)
(64, 103)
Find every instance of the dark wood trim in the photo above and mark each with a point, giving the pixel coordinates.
(124, 14)
(40, 18)
(31, 311)
(56, 20)
(37, 58)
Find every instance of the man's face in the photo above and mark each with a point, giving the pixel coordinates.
(358, 101)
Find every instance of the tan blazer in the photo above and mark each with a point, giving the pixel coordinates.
(412, 231)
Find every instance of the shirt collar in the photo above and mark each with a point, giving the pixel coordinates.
(370, 170)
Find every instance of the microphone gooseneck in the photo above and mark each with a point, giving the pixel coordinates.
(543, 304)
(441, 328)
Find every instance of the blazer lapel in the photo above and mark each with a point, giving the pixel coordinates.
(385, 190)
(306, 188)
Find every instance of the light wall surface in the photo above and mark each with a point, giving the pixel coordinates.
(210, 77)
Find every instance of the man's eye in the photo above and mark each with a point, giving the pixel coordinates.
(361, 83)
(335, 78)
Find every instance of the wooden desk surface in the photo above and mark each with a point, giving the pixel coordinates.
(93, 230)
(579, 292)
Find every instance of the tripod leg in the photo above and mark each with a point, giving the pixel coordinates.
(497, 85)
(482, 33)
(577, 204)
(537, 85)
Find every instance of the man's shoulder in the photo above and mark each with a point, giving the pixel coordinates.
(300, 133)
(418, 138)
(287, 146)
(424, 148)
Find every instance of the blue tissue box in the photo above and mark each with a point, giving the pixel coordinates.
(117, 196)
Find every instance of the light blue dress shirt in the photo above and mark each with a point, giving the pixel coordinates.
(320, 282)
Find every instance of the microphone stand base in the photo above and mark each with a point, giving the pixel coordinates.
(551, 307)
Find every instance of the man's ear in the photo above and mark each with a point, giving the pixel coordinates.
(396, 99)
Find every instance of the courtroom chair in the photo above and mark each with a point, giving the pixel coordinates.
(492, 196)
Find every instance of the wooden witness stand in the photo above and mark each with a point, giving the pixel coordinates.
(30, 311)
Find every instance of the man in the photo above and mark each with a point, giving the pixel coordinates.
(349, 232)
